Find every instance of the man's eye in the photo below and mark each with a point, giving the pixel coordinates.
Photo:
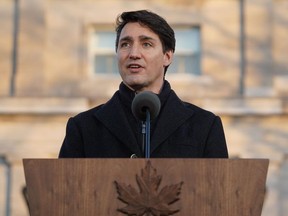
(124, 45)
(147, 45)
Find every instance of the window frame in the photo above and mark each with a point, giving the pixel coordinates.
(94, 51)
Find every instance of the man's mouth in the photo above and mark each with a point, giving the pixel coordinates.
(134, 66)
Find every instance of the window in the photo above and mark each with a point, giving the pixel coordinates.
(186, 59)
(187, 52)
(102, 52)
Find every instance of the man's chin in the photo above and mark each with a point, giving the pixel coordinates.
(135, 86)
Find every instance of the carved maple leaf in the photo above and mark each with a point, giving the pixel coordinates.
(148, 200)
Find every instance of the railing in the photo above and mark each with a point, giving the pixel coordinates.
(7, 167)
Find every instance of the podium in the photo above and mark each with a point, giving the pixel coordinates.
(180, 187)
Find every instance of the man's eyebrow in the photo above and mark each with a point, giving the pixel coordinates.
(145, 37)
(127, 38)
(141, 37)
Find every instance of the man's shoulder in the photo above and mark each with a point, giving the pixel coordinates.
(112, 102)
(88, 113)
(198, 110)
(189, 106)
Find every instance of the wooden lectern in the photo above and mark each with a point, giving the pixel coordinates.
(112, 187)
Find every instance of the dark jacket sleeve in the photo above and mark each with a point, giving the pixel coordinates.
(216, 143)
(72, 146)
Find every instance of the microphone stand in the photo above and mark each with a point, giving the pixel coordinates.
(143, 131)
(147, 133)
(146, 106)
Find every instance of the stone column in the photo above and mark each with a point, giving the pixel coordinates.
(29, 78)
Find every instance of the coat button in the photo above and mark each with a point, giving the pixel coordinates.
(133, 156)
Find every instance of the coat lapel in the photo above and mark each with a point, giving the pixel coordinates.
(171, 117)
(113, 117)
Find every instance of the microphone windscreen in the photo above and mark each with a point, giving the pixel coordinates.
(146, 100)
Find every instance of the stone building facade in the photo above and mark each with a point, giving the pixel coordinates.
(47, 74)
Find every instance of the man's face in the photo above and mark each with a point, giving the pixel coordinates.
(141, 60)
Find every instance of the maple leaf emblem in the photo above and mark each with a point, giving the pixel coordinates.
(148, 200)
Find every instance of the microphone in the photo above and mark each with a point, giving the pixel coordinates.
(146, 106)
(146, 101)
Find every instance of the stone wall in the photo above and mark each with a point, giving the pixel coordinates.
(53, 37)
(53, 81)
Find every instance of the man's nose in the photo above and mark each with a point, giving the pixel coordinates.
(135, 52)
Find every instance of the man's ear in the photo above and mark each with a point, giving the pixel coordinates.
(168, 57)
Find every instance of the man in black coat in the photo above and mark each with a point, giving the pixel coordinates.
(145, 46)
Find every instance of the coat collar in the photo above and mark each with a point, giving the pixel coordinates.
(172, 115)
(113, 117)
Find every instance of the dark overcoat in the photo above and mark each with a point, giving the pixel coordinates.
(183, 131)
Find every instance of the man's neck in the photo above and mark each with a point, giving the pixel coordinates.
(138, 89)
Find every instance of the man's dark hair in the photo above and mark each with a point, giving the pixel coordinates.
(151, 20)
